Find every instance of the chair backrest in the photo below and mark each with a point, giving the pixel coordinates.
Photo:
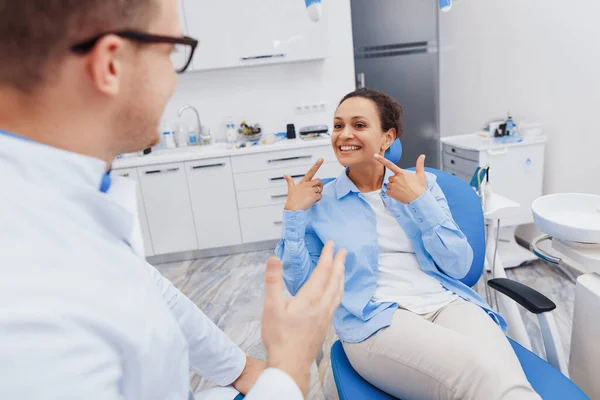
(466, 210)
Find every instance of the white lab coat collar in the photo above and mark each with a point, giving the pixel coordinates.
(45, 165)
(75, 176)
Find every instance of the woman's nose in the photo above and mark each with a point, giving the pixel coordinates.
(346, 134)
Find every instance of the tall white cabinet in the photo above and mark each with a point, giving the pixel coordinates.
(239, 33)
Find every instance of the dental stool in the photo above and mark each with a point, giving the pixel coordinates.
(466, 209)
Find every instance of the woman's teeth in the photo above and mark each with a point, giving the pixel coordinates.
(349, 148)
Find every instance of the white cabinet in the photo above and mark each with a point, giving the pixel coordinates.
(132, 173)
(516, 169)
(169, 209)
(236, 33)
(213, 202)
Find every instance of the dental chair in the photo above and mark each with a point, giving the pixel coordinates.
(467, 212)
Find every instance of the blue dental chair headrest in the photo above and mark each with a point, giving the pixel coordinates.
(394, 153)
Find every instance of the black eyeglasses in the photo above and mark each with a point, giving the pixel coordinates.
(181, 57)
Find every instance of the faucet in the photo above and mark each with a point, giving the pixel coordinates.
(202, 139)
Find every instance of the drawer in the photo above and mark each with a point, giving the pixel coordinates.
(262, 197)
(282, 159)
(464, 177)
(466, 167)
(273, 179)
(261, 223)
(460, 152)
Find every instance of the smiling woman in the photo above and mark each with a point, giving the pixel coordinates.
(407, 323)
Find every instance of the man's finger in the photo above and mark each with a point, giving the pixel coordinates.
(420, 167)
(388, 164)
(273, 283)
(312, 171)
(320, 276)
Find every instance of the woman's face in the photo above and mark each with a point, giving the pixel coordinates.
(357, 133)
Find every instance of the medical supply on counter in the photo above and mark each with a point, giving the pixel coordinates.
(192, 137)
(181, 137)
(249, 133)
(230, 133)
(511, 127)
(168, 136)
(291, 131)
(308, 132)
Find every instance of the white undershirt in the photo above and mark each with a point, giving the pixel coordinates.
(401, 279)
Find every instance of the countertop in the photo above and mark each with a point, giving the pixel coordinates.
(478, 141)
(217, 150)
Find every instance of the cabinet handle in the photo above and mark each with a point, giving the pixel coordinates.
(360, 80)
(452, 162)
(278, 196)
(280, 178)
(290, 159)
(158, 171)
(125, 175)
(265, 56)
(208, 166)
(278, 222)
(454, 150)
(497, 153)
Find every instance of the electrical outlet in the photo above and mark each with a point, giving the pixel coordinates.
(310, 108)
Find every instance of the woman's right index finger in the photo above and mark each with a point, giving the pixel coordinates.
(312, 171)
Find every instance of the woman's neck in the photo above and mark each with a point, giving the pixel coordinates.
(367, 178)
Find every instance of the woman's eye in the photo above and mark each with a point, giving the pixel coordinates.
(337, 126)
(359, 125)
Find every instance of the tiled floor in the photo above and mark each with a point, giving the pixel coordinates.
(230, 291)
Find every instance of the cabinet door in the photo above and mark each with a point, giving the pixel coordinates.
(235, 33)
(214, 203)
(132, 173)
(168, 207)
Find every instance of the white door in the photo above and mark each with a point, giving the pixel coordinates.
(168, 207)
(235, 33)
(132, 173)
(214, 203)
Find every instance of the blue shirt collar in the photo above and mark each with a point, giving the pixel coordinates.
(344, 185)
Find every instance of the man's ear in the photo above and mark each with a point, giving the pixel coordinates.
(104, 65)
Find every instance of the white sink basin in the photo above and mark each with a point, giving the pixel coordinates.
(574, 217)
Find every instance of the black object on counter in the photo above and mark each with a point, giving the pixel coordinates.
(148, 150)
(291, 131)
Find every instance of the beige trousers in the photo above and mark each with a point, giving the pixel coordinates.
(457, 352)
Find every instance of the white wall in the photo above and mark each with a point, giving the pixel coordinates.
(538, 59)
(269, 94)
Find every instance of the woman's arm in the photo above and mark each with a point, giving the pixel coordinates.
(442, 238)
(299, 249)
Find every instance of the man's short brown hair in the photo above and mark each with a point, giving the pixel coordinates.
(35, 35)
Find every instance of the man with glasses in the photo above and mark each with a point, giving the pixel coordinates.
(82, 315)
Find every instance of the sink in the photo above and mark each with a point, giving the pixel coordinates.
(573, 217)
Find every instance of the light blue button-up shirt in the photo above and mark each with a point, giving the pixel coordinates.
(344, 217)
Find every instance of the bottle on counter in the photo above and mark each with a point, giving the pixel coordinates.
(168, 136)
(192, 137)
(230, 132)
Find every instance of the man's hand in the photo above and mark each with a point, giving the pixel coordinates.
(405, 186)
(293, 331)
(307, 192)
(249, 375)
